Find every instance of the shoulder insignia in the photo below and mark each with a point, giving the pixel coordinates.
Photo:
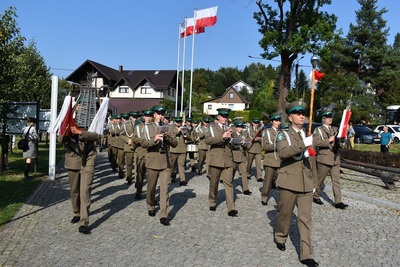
(281, 136)
(315, 130)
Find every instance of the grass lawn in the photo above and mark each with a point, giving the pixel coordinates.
(14, 190)
(394, 148)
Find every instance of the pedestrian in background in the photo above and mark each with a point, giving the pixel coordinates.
(29, 132)
(386, 139)
(350, 136)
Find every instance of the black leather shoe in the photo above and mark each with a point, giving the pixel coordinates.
(152, 213)
(233, 213)
(213, 208)
(84, 230)
(75, 219)
(264, 203)
(184, 183)
(164, 221)
(281, 246)
(318, 201)
(194, 169)
(129, 183)
(341, 205)
(260, 180)
(247, 192)
(138, 196)
(310, 263)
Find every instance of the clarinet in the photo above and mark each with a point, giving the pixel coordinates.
(161, 144)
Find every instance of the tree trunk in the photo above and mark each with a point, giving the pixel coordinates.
(284, 82)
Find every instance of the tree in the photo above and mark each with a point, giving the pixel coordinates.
(33, 77)
(294, 28)
(11, 45)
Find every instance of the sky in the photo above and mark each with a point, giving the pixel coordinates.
(143, 35)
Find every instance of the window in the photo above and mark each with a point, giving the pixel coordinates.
(231, 106)
(230, 95)
(145, 89)
(124, 89)
(209, 107)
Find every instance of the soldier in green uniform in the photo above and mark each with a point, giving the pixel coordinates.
(202, 146)
(220, 159)
(80, 159)
(328, 159)
(271, 160)
(178, 153)
(239, 152)
(141, 152)
(158, 138)
(295, 183)
(129, 146)
(254, 153)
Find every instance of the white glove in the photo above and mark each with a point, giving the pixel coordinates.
(308, 141)
(306, 154)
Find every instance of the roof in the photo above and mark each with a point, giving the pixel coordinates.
(158, 79)
(127, 105)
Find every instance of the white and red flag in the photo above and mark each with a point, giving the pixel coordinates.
(189, 28)
(318, 76)
(206, 17)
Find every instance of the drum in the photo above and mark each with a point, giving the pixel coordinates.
(192, 148)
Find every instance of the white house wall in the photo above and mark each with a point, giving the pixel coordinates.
(215, 106)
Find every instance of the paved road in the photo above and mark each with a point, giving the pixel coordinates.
(366, 234)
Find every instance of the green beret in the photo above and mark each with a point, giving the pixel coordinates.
(125, 116)
(296, 106)
(189, 119)
(167, 116)
(256, 120)
(148, 112)
(239, 124)
(275, 116)
(327, 113)
(117, 116)
(206, 119)
(178, 119)
(223, 111)
(134, 114)
(195, 121)
(159, 108)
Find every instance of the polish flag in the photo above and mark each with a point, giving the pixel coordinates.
(344, 123)
(190, 27)
(206, 17)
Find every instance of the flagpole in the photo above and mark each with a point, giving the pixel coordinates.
(177, 70)
(191, 67)
(183, 64)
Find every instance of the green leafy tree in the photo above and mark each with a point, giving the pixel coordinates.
(33, 77)
(11, 46)
(292, 28)
(264, 100)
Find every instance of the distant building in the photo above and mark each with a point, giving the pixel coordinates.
(128, 89)
(231, 99)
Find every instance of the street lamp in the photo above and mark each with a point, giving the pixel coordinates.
(314, 61)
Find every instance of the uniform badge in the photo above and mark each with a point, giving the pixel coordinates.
(281, 136)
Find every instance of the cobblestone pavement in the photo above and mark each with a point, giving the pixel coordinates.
(366, 234)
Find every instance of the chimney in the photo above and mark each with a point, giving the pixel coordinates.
(120, 68)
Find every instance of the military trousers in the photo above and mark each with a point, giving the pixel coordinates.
(226, 174)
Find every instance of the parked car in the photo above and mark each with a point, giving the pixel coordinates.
(364, 135)
(393, 129)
